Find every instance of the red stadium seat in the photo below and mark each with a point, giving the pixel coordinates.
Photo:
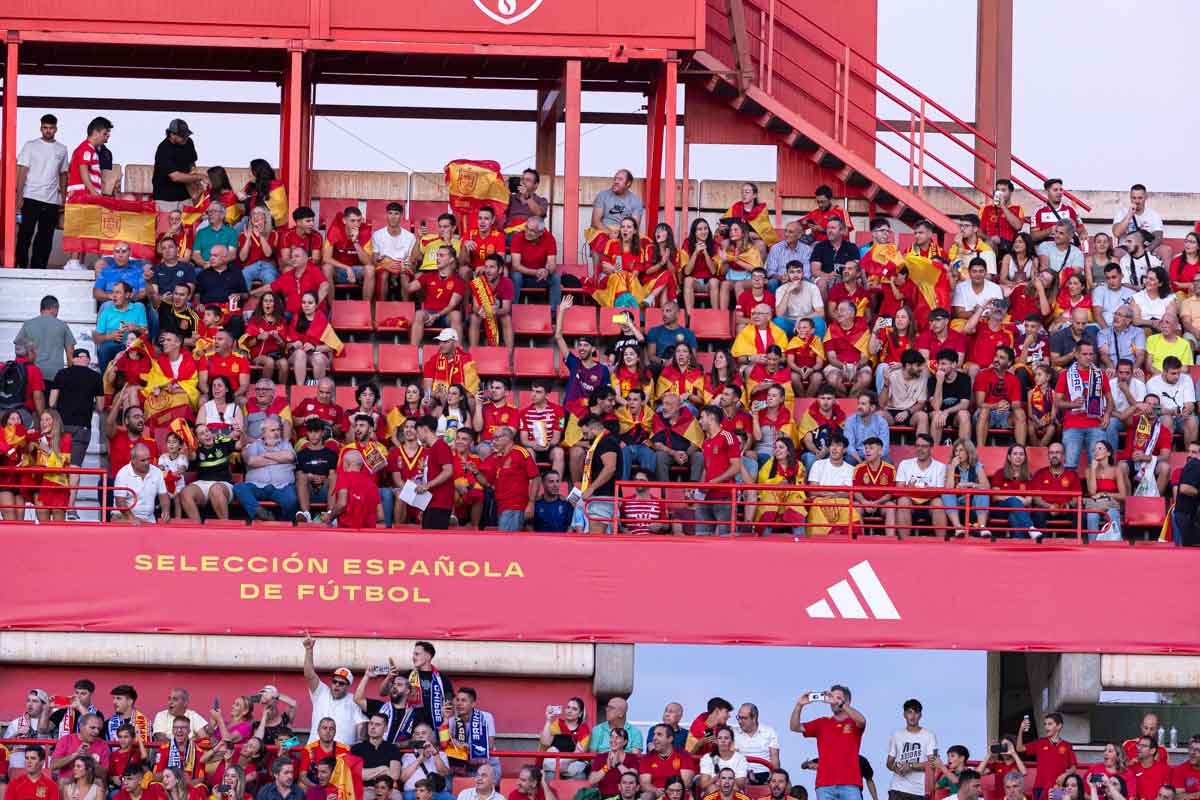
(392, 309)
(344, 396)
(426, 211)
(398, 359)
(490, 361)
(328, 208)
(1194, 371)
(607, 326)
(1037, 458)
(299, 394)
(992, 459)
(356, 358)
(376, 212)
(848, 405)
(580, 271)
(531, 320)
(653, 318)
(392, 396)
(709, 323)
(352, 316)
(1144, 512)
(580, 321)
(705, 357)
(534, 362)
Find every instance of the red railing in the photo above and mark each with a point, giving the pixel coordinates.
(795, 58)
(753, 510)
(24, 480)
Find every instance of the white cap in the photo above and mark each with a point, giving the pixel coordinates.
(448, 335)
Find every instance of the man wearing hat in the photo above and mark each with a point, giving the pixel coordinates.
(31, 725)
(331, 700)
(174, 161)
(450, 365)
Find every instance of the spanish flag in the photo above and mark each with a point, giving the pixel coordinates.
(193, 215)
(164, 407)
(484, 298)
(749, 342)
(931, 281)
(93, 223)
(330, 339)
(472, 185)
(758, 219)
(347, 777)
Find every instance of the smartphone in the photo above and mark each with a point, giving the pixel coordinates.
(378, 670)
(1096, 778)
(216, 704)
(555, 709)
(999, 749)
(818, 697)
(620, 319)
(1058, 794)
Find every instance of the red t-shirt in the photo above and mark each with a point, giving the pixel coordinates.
(495, 416)
(1021, 305)
(928, 342)
(408, 467)
(740, 421)
(84, 155)
(293, 285)
(1053, 758)
(437, 291)
(509, 475)
(538, 794)
(986, 341)
(541, 423)
(884, 476)
(329, 413)
(362, 499)
(1149, 779)
(1184, 776)
(154, 791)
(1045, 218)
(838, 742)
(699, 729)
(859, 297)
(256, 248)
(22, 788)
(1044, 480)
(534, 254)
(659, 768)
(231, 366)
(719, 452)
(314, 243)
(998, 387)
(120, 447)
(1077, 417)
(34, 381)
(746, 301)
(437, 457)
(909, 293)
(486, 245)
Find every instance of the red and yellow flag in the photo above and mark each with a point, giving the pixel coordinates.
(483, 296)
(93, 223)
(757, 218)
(472, 185)
(931, 280)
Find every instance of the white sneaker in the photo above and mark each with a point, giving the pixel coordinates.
(984, 532)
(301, 517)
(74, 265)
(1035, 534)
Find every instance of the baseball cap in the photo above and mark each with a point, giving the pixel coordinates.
(939, 312)
(40, 694)
(179, 128)
(344, 673)
(448, 335)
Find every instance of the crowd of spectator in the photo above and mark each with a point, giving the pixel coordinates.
(1024, 331)
(417, 732)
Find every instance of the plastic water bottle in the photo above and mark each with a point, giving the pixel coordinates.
(1174, 737)
(1162, 736)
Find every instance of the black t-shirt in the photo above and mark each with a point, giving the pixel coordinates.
(1186, 504)
(168, 320)
(78, 387)
(831, 259)
(170, 158)
(212, 463)
(57, 716)
(215, 287)
(423, 713)
(376, 706)
(271, 732)
(373, 756)
(167, 278)
(608, 444)
(316, 461)
(952, 391)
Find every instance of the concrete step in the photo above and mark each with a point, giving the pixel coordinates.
(22, 292)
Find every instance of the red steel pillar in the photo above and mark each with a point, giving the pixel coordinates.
(9, 202)
(993, 88)
(669, 89)
(655, 123)
(292, 128)
(573, 89)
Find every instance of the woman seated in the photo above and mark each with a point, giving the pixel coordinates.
(723, 373)
(780, 510)
(455, 412)
(774, 371)
(266, 338)
(221, 413)
(702, 267)
(1073, 295)
(725, 756)
(1186, 265)
(739, 257)
(682, 376)
(311, 341)
(1154, 301)
(566, 731)
(265, 189)
(1013, 508)
(659, 267)
(1019, 264)
(889, 343)
(1108, 486)
(630, 373)
(617, 283)
(965, 472)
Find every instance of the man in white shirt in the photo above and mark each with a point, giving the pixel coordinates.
(41, 184)
(1177, 398)
(30, 725)
(1127, 392)
(921, 472)
(145, 485)
(1059, 251)
(392, 246)
(333, 700)
(753, 739)
(1137, 217)
(975, 292)
(1138, 260)
(177, 706)
(908, 755)
(485, 785)
(832, 508)
(1110, 295)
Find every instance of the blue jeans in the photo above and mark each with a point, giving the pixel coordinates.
(637, 455)
(385, 499)
(248, 495)
(509, 521)
(963, 503)
(261, 271)
(1180, 525)
(106, 352)
(1096, 520)
(713, 512)
(1076, 440)
(553, 283)
(1113, 434)
(1017, 520)
(410, 795)
(842, 792)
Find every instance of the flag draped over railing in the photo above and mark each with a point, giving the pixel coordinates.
(93, 223)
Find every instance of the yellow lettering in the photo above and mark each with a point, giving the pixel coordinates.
(351, 566)
(142, 562)
(249, 591)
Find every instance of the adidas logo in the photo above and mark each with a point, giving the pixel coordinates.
(847, 603)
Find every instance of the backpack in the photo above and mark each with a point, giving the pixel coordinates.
(14, 378)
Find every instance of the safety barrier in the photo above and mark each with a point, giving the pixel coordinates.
(24, 483)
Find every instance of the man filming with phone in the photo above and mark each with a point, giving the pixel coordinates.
(839, 737)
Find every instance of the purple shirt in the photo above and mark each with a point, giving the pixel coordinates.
(583, 380)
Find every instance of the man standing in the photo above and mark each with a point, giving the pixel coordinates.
(270, 475)
(1083, 397)
(174, 162)
(51, 336)
(41, 184)
(512, 474)
(722, 458)
(22, 387)
(84, 173)
(333, 700)
(1054, 211)
(1054, 754)
(438, 471)
(909, 750)
(839, 737)
(598, 479)
(753, 739)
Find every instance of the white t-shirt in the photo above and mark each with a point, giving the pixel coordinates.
(146, 490)
(430, 768)
(1152, 307)
(911, 748)
(46, 161)
(1149, 220)
(1108, 301)
(712, 763)
(1146, 261)
(343, 712)
(397, 248)
(1137, 388)
(164, 719)
(759, 744)
(966, 298)
(1172, 397)
(824, 473)
(178, 465)
(911, 474)
(1057, 260)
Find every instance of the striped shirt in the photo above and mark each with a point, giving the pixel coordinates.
(541, 423)
(84, 155)
(639, 513)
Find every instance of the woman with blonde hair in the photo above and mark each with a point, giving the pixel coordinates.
(965, 472)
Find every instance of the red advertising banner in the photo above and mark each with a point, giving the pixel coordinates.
(870, 593)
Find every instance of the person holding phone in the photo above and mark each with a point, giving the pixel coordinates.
(1055, 756)
(839, 737)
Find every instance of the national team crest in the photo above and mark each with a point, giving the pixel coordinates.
(508, 12)
(110, 223)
